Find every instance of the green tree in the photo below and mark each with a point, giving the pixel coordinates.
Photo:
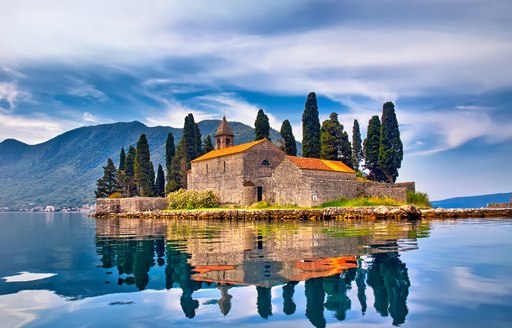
(160, 182)
(357, 148)
(186, 151)
(345, 149)
(290, 145)
(262, 126)
(391, 150)
(144, 171)
(207, 144)
(170, 150)
(122, 160)
(311, 128)
(198, 140)
(371, 147)
(107, 185)
(129, 185)
(330, 135)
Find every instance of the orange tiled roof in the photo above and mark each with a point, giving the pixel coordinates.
(319, 164)
(229, 150)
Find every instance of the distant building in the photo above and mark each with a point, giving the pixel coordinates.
(260, 171)
(49, 208)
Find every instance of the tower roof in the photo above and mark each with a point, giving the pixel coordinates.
(224, 129)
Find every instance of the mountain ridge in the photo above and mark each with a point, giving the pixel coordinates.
(473, 201)
(63, 170)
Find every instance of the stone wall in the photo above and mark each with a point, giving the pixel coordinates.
(290, 185)
(130, 205)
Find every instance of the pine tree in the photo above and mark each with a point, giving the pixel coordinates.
(311, 128)
(357, 149)
(262, 126)
(160, 182)
(330, 137)
(207, 144)
(391, 148)
(371, 147)
(107, 185)
(290, 145)
(122, 160)
(129, 185)
(144, 172)
(178, 170)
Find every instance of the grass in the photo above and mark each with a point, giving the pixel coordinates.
(362, 201)
(419, 199)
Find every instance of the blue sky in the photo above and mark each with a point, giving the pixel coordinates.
(447, 66)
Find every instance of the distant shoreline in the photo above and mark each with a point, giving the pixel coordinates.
(406, 212)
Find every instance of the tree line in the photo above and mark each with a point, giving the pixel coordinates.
(381, 151)
(136, 176)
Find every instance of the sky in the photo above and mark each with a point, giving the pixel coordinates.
(446, 65)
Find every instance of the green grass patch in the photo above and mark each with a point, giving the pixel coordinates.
(419, 199)
(362, 201)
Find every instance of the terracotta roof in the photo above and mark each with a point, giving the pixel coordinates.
(224, 128)
(319, 164)
(228, 151)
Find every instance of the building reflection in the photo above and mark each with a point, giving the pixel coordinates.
(330, 258)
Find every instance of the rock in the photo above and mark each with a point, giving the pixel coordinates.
(382, 210)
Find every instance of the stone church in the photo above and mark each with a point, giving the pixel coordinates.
(261, 171)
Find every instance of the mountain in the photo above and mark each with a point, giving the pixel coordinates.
(63, 171)
(473, 201)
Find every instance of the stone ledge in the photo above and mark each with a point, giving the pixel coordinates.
(406, 212)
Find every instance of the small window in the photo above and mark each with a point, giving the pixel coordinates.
(224, 166)
(228, 142)
(314, 196)
(206, 168)
(265, 162)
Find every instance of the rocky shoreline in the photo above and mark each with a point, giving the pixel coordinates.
(405, 212)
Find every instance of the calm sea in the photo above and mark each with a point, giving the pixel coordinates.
(68, 270)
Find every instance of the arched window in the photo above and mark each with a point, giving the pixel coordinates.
(228, 142)
(265, 162)
(218, 144)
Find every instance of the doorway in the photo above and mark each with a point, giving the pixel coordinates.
(260, 194)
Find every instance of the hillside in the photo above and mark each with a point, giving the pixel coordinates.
(473, 201)
(63, 171)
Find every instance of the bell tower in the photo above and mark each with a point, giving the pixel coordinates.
(224, 137)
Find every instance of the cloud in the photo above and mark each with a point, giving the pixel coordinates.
(80, 88)
(8, 94)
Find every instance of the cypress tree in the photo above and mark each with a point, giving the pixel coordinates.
(144, 171)
(391, 148)
(207, 144)
(290, 145)
(122, 160)
(345, 149)
(371, 147)
(178, 169)
(198, 140)
(330, 137)
(262, 126)
(357, 149)
(160, 182)
(129, 185)
(311, 128)
(107, 185)
(170, 150)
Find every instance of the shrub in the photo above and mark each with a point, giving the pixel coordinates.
(191, 199)
(262, 204)
(418, 198)
(362, 201)
(116, 195)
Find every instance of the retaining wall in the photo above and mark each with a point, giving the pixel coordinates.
(106, 206)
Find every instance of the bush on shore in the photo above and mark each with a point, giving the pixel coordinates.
(362, 201)
(192, 199)
(418, 198)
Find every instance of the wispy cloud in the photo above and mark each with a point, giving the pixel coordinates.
(80, 88)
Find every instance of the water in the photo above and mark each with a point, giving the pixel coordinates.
(74, 271)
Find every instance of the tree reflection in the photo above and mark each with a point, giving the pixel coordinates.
(315, 302)
(390, 282)
(264, 301)
(289, 305)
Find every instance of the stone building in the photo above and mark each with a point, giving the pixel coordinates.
(260, 171)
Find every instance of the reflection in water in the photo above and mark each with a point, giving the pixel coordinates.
(329, 257)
